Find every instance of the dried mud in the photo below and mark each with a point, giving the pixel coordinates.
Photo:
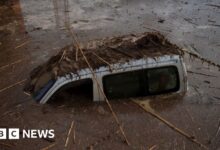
(112, 50)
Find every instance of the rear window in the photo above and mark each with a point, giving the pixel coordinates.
(141, 83)
(162, 80)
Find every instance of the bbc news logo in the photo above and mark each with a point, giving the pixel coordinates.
(14, 133)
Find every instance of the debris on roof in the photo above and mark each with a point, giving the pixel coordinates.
(101, 53)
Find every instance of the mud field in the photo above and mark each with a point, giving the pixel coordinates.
(33, 31)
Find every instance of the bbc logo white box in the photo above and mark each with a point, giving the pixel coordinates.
(13, 133)
(3, 133)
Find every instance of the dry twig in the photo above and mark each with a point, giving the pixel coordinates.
(107, 101)
(10, 86)
(27, 93)
(153, 147)
(213, 5)
(149, 110)
(200, 73)
(74, 134)
(209, 62)
(218, 129)
(103, 60)
(22, 44)
(69, 133)
(48, 147)
(121, 52)
(63, 55)
(100, 88)
(13, 63)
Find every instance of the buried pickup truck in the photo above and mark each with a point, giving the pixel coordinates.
(126, 66)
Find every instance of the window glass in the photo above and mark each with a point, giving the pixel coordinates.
(162, 80)
(141, 83)
(123, 85)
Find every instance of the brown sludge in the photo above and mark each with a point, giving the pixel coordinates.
(112, 50)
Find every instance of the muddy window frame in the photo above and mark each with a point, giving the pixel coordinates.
(74, 85)
(142, 87)
(47, 92)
